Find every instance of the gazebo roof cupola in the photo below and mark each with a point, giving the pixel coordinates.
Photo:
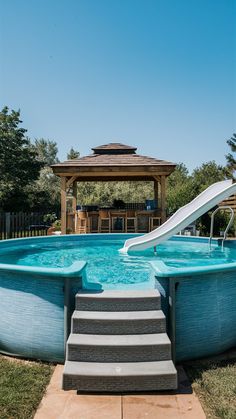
(114, 148)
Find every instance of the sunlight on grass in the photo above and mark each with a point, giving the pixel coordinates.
(215, 385)
(22, 385)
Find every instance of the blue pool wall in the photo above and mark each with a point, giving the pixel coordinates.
(203, 308)
(32, 314)
(33, 306)
(205, 315)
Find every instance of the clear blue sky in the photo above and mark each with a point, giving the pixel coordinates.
(158, 74)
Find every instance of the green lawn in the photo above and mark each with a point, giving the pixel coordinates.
(22, 385)
(214, 382)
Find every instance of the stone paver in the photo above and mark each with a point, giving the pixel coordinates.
(162, 407)
(182, 404)
(59, 404)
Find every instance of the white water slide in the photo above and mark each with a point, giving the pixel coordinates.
(183, 217)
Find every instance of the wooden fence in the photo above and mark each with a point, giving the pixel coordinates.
(231, 202)
(15, 225)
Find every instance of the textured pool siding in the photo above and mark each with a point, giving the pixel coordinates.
(205, 315)
(32, 314)
(203, 308)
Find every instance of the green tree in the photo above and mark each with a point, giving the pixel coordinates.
(230, 158)
(203, 177)
(19, 166)
(46, 151)
(179, 188)
(207, 174)
(104, 193)
(73, 154)
(45, 192)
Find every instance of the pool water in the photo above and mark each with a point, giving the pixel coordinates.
(105, 265)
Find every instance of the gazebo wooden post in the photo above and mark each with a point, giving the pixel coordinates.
(163, 199)
(63, 205)
(74, 202)
(74, 199)
(156, 187)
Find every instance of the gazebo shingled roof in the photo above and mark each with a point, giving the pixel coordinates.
(113, 161)
(113, 155)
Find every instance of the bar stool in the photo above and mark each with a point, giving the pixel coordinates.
(154, 222)
(142, 222)
(82, 223)
(115, 217)
(104, 221)
(93, 217)
(130, 222)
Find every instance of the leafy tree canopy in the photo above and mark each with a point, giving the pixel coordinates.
(230, 157)
(207, 174)
(46, 151)
(180, 174)
(19, 165)
(45, 192)
(179, 188)
(18, 162)
(73, 154)
(104, 193)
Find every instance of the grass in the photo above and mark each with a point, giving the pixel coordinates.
(214, 382)
(22, 385)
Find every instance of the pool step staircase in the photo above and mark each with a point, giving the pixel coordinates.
(118, 342)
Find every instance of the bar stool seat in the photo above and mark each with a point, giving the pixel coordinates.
(82, 223)
(94, 217)
(142, 222)
(104, 221)
(131, 222)
(115, 217)
(154, 222)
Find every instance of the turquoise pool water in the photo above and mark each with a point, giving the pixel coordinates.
(105, 265)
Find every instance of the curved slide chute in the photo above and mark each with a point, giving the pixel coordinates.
(183, 217)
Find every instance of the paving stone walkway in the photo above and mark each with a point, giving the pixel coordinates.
(59, 404)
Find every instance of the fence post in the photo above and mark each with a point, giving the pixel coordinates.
(8, 224)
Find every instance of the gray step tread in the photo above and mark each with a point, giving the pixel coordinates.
(118, 340)
(110, 294)
(125, 369)
(118, 315)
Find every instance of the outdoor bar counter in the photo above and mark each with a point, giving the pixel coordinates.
(113, 220)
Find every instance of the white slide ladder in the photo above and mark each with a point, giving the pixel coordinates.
(184, 216)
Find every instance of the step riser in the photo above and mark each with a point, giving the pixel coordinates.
(90, 304)
(115, 351)
(120, 327)
(140, 353)
(119, 384)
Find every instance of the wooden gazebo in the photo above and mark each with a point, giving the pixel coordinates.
(112, 162)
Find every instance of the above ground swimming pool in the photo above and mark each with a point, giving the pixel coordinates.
(40, 276)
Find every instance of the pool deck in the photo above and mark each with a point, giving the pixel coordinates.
(59, 404)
